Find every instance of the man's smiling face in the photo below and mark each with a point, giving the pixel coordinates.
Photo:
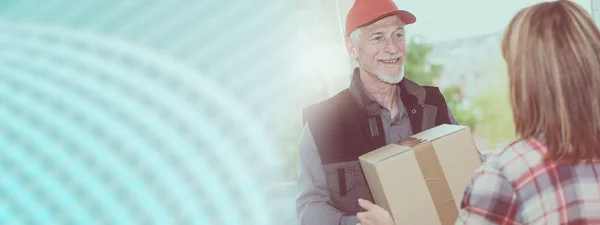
(381, 49)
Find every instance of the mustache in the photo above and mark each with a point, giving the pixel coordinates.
(395, 56)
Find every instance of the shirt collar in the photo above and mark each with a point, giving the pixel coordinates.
(365, 100)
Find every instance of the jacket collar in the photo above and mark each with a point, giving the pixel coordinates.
(367, 102)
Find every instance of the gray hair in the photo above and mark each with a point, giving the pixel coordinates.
(355, 35)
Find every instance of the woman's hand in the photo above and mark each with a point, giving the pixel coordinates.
(374, 215)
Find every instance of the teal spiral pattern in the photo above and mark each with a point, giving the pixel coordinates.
(139, 112)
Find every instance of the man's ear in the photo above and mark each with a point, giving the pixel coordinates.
(351, 48)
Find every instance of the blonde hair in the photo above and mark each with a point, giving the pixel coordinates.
(552, 51)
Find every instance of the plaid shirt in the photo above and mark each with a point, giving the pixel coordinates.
(514, 186)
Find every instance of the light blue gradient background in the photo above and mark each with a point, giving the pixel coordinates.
(140, 112)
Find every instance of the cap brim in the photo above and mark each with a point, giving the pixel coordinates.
(405, 16)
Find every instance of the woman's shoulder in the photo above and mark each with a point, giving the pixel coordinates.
(517, 158)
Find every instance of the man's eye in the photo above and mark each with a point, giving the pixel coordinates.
(379, 38)
(399, 35)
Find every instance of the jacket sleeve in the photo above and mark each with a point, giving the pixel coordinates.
(313, 202)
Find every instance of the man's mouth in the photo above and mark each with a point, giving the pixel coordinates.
(390, 61)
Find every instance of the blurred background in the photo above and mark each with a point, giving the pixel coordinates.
(190, 112)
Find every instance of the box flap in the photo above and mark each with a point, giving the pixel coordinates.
(383, 153)
(438, 132)
(399, 147)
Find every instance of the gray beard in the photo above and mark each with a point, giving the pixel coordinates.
(392, 79)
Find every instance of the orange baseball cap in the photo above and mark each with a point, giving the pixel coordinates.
(364, 12)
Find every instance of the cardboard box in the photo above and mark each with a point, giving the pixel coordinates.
(421, 180)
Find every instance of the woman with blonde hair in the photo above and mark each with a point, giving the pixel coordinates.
(551, 174)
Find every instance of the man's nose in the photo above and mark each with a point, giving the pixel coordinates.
(391, 47)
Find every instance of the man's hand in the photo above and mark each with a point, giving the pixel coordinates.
(374, 215)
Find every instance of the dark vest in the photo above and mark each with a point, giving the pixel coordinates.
(343, 131)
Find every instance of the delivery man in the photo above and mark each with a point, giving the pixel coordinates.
(380, 107)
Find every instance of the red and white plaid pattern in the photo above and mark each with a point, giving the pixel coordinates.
(514, 186)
